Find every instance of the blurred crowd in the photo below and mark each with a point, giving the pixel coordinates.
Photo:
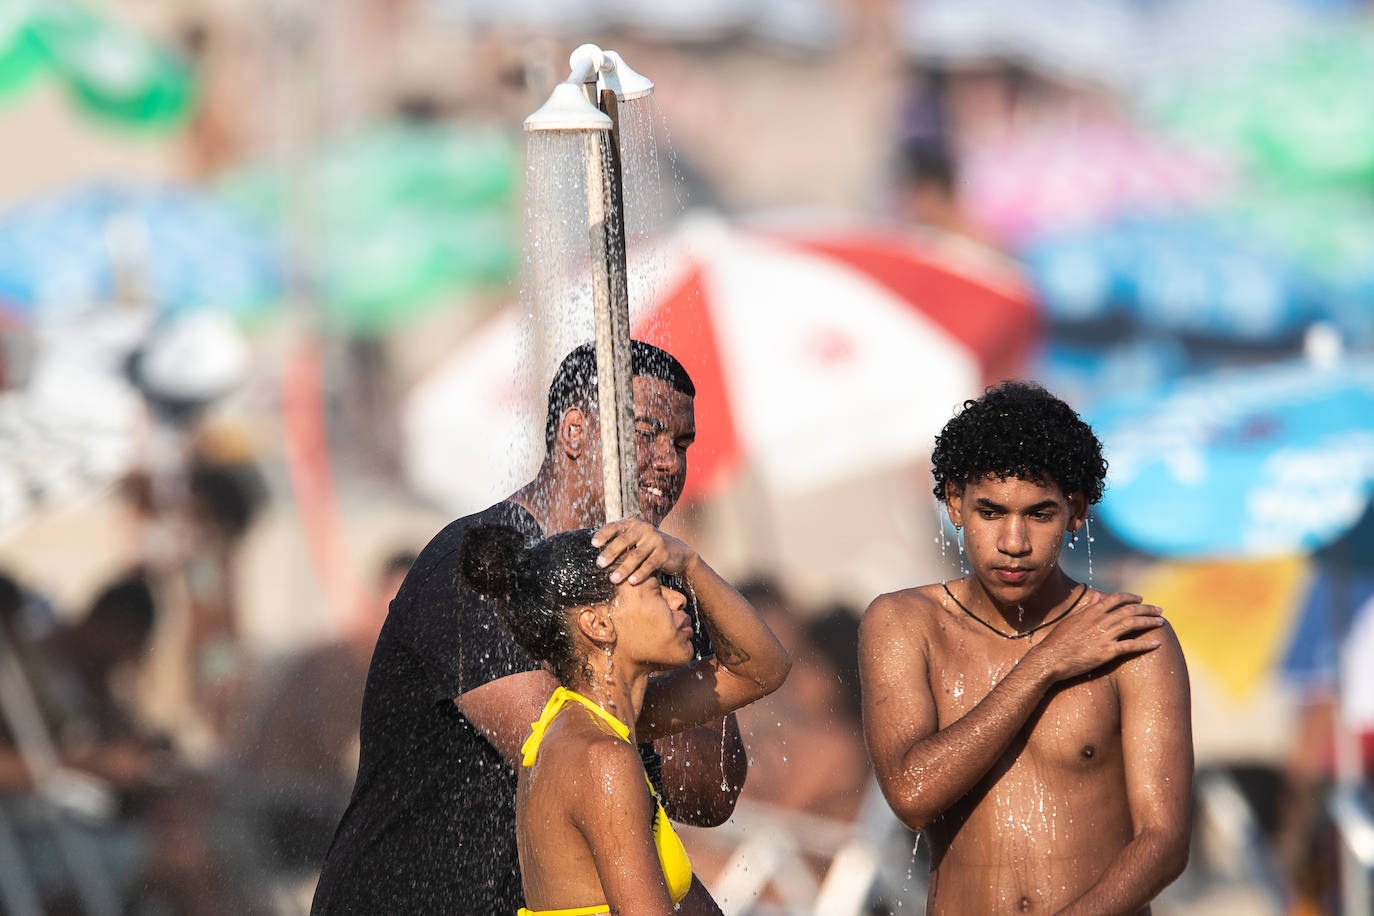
(150, 762)
(200, 532)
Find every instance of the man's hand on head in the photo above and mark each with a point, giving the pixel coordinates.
(634, 550)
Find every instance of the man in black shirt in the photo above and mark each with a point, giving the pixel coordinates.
(449, 698)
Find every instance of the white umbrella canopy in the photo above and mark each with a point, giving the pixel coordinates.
(1121, 44)
(468, 428)
(801, 24)
(817, 355)
(1098, 47)
(822, 353)
(71, 429)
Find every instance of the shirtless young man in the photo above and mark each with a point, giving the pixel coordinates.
(1035, 729)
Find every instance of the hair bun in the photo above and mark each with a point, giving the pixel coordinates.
(489, 559)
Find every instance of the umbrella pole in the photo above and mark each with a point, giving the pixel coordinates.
(611, 305)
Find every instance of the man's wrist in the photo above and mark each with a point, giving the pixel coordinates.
(1040, 669)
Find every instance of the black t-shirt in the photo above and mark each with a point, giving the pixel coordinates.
(430, 827)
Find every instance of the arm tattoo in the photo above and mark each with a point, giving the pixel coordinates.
(727, 652)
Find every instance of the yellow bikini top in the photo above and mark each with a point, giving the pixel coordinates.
(677, 868)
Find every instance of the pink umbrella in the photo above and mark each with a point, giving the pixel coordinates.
(817, 355)
(1068, 173)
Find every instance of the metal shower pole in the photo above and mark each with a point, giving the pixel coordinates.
(595, 112)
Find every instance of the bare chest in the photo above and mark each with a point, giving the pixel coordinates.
(1077, 727)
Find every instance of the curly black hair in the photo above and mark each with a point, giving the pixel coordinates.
(1018, 429)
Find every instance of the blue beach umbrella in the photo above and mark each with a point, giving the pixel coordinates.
(1188, 275)
(1251, 462)
(171, 248)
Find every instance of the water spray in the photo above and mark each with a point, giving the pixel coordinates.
(587, 103)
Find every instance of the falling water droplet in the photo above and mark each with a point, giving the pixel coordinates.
(1087, 529)
(724, 783)
(940, 531)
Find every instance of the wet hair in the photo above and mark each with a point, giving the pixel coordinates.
(574, 384)
(534, 586)
(1018, 429)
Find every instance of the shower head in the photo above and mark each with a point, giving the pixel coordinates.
(568, 109)
(627, 84)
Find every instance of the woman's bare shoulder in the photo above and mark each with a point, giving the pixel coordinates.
(581, 743)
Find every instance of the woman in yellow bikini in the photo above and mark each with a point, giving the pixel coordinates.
(592, 836)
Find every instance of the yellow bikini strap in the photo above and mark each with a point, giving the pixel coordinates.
(551, 710)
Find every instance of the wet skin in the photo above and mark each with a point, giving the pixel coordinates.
(584, 814)
(1051, 773)
(665, 428)
(585, 795)
(703, 757)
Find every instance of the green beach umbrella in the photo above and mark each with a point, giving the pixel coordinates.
(1303, 115)
(381, 276)
(21, 54)
(1328, 230)
(403, 216)
(109, 68)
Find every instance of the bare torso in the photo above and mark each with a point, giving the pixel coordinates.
(544, 819)
(1052, 813)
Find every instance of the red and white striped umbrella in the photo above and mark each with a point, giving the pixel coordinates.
(817, 355)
